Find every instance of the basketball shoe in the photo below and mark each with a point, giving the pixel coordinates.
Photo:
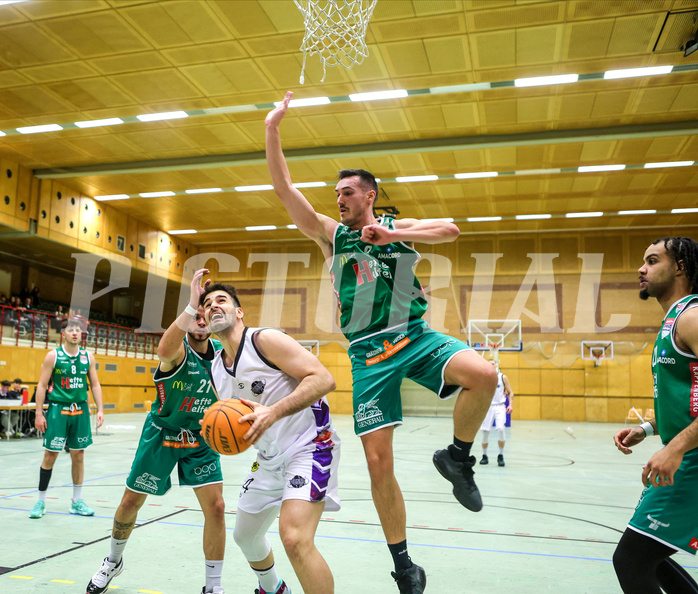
(80, 508)
(500, 460)
(216, 590)
(410, 581)
(484, 459)
(460, 474)
(282, 589)
(38, 510)
(100, 580)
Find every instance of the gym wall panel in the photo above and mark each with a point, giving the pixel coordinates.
(528, 407)
(574, 409)
(551, 408)
(596, 410)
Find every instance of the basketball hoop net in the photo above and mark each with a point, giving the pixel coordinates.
(335, 29)
(597, 357)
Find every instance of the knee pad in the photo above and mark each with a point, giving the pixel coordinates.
(250, 534)
(500, 434)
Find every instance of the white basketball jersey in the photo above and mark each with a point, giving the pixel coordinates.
(254, 378)
(499, 394)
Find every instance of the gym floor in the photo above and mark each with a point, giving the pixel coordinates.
(551, 518)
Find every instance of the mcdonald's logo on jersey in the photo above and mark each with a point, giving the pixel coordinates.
(178, 385)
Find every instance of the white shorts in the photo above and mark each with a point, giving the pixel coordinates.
(498, 414)
(310, 475)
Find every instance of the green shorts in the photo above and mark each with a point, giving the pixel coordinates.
(160, 449)
(67, 423)
(668, 514)
(379, 364)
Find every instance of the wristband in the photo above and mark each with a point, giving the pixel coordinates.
(648, 428)
(190, 310)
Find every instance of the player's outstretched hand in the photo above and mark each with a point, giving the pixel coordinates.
(628, 437)
(262, 418)
(277, 114)
(197, 289)
(661, 467)
(376, 234)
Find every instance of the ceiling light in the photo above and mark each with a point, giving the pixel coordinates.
(538, 81)
(95, 123)
(291, 227)
(3, 2)
(589, 168)
(203, 191)
(476, 174)
(167, 115)
(37, 129)
(416, 178)
(683, 210)
(637, 212)
(532, 217)
(310, 185)
(261, 228)
(483, 219)
(112, 197)
(2, 133)
(397, 94)
(583, 215)
(155, 194)
(253, 188)
(631, 72)
(305, 102)
(182, 232)
(444, 219)
(537, 171)
(669, 164)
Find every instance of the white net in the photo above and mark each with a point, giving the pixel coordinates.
(336, 30)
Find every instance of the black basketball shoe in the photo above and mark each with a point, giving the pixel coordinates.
(500, 460)
(410, 581)
(460, 474)
(484, 459)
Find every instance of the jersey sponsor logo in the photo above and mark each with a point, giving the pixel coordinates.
(694, 544)
(654, 523)
(666, 329)
(694, 388)
(206, 469)
(57, 442)
(390, 255)
(680, 307)
(161, 392)
(389, 349)
(147, 482)
(83, 439)
(298, 481)
(363, 272)
(255, 466)
(83, 359)
(436, 353)
(662, 358)
(258, 386)
(368, 414)
(191, 363)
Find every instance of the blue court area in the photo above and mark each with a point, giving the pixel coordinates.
(551, 518)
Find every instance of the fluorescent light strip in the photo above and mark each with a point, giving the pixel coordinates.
(583, 215)
(261, 228)
(38, 129)
(378, 95)
(2, 133)
(291, 227)
(416, 178)
(483, 219)
(167, 115)
(637, 212)
(669, 164)
(683, 210)
(112, 197)
(632, 72)
(311, 185)
(484, 86)
(203, 191)
(531, 217)
(538, 81)
(182, 232)
(537, 171)
(96, 123)
(476, 174)
(155, 194)
(305, 102)
(591, 168)
(253, 188)
(3, 2)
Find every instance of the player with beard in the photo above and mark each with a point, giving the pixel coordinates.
(171, 437)
(297, 447)
(665, 519)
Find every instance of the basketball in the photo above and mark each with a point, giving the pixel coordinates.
(220, 427)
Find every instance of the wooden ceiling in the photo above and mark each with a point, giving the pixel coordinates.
(68, 61)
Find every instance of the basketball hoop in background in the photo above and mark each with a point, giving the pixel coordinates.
(597, 351)
(495, 336)
(336, 30)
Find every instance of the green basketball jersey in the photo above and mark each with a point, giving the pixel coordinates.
(185, 392)
(375, 284)
(69, 379)
(675, 375)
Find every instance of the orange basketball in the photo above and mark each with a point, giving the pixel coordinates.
(220, 427)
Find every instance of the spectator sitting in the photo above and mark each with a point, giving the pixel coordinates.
(18, 389)
(9, 418)
(3, 300)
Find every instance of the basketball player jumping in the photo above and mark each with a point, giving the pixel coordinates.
(665, 520)
(381, 307)
(297, 448)
(171, 437)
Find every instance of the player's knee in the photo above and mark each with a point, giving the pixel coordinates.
(295, 541)
(380, 466)
(131, 502)
(216, 509)
(500, 434)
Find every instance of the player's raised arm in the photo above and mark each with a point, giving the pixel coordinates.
(411, 231)
(317, 227)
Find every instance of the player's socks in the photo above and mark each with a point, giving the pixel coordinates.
(214, 571)
(42, 496)
(44, 478)
(501, 451)
(400, 557)
(268, 579)
(460, 450)
(77, 493)
(116, 549)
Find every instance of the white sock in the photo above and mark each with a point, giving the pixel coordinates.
(484, 450)
(269, 581)
(42, 496)
(501, 451)
(214, 571)
(116, 549)
(77, 493)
